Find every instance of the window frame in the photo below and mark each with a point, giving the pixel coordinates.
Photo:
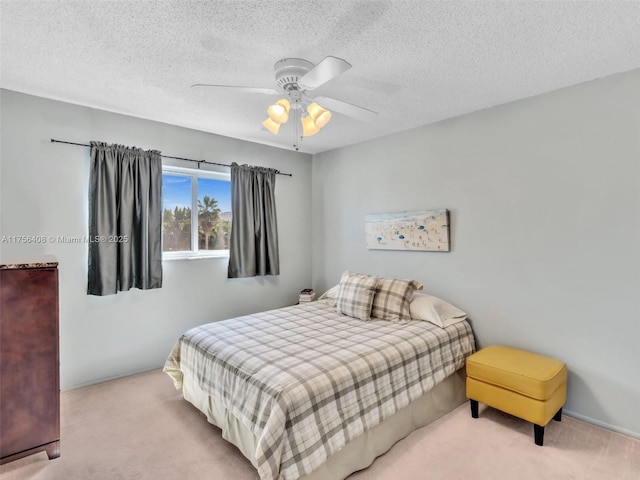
(194, 174)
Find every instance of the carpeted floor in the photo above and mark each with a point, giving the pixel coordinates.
(140, 428)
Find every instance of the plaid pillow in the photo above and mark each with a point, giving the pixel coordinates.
(393, 298)
(356, 295)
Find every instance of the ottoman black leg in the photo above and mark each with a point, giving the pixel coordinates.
(558, 416)
(538, 433)
(474, 408)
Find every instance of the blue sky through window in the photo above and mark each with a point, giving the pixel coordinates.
(176, 191)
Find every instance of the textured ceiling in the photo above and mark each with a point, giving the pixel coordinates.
(414, 62)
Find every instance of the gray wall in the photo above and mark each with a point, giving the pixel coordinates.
(44, 192)
(544, 196)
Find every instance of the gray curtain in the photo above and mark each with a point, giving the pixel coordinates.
(253, 248)
(125, 219)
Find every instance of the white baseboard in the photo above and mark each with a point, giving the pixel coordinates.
(599, 423)
(108, 379)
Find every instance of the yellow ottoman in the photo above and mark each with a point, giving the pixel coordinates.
(527, 385)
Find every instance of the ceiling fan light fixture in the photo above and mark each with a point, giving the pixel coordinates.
(272, 126)
(279, 111)
(294, 78)
(321, 116)
(309, 126)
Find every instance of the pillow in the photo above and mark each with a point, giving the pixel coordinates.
(331, 293)
(392, 299)
(435, 310)
(356, 295)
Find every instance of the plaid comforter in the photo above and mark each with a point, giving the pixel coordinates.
(306, 380)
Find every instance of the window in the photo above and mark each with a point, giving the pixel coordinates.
(196, 213)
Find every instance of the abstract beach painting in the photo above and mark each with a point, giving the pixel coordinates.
(426, 230)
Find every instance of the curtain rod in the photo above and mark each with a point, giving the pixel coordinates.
(278, 172)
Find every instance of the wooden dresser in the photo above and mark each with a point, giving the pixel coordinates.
(29, 359)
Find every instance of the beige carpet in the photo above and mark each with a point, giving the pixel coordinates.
(140, 428)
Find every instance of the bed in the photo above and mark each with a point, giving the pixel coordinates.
(308, 392)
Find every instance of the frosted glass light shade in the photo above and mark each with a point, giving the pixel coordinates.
(279, 111)
(272, 126)
(321, 116)
(308, 126)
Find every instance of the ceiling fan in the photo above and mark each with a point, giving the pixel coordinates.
(295, 78)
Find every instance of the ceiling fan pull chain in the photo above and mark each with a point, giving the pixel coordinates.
(295, 126)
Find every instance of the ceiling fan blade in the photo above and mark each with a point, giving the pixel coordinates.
(267, 91)
(345, 108)
(326, 70)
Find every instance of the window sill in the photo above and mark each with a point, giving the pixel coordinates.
(194, 256)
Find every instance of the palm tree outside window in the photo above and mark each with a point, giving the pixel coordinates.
(208, 220)
(196, 213)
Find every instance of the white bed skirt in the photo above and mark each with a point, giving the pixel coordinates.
(360, 452)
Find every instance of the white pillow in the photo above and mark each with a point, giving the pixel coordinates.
(331, 293)
(435, 310)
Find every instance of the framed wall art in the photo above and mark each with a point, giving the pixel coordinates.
(425, 230)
